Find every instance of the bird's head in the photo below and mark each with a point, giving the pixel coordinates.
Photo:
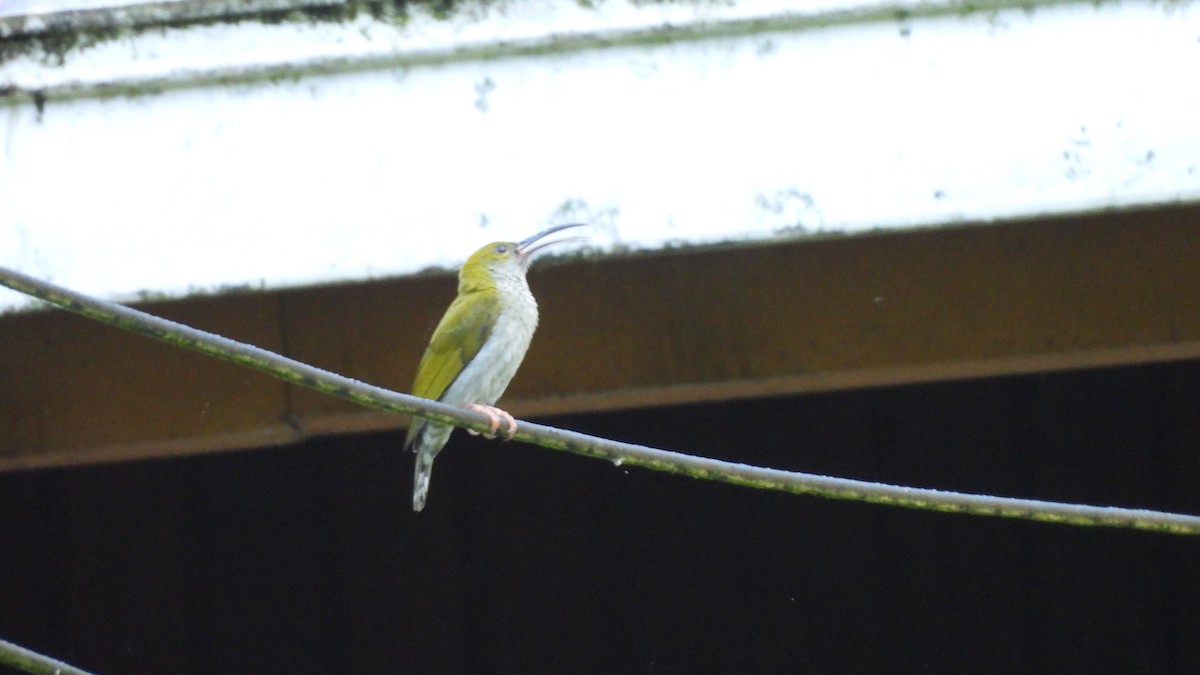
(507, 260)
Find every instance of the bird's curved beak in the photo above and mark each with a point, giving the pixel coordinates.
(526, 248)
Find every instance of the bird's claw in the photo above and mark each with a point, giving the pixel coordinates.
(494, 416)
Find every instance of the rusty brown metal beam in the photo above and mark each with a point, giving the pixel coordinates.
(683, 326)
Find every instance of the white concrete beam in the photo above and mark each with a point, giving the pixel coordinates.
(270, 150)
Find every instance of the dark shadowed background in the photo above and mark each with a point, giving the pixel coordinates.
(307, 559)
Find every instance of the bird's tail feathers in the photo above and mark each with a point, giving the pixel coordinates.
(427, 440)
(423, 468)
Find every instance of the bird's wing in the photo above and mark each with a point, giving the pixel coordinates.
(459, 336)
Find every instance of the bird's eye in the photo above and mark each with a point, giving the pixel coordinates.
(501, 248)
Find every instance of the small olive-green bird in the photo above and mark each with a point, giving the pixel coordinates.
(477, 347)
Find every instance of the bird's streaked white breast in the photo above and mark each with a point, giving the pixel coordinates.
(486, 377)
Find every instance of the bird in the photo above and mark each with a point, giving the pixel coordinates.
(477, 346)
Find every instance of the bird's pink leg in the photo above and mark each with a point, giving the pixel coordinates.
(494, 416)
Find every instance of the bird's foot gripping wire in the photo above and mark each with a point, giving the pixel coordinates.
(494, 415)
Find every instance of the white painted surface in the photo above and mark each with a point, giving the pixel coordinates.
(406, 164)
